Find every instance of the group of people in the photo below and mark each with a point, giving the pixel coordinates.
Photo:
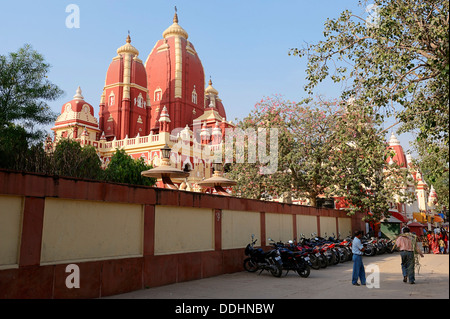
(406, 243)
(435, 242)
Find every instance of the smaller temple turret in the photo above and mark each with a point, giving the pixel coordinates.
(76, 117)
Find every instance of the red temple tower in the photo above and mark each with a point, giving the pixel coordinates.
(124, 107)
(175, 79)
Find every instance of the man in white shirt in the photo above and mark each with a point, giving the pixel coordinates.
(358, 266)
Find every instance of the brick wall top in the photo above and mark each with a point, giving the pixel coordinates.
(41, 185)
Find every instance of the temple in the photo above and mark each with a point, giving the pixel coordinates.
(166, 102)
(145, 106)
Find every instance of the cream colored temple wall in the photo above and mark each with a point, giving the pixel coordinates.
(238, 228)
(345, 227)
(306, 225)
(279, 227)
(183, 229)
(88, 230)
(11, 211)
(327, 226)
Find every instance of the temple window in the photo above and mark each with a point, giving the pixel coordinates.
(140, 101)
(194, 96)
(112, 99)
(158, 95)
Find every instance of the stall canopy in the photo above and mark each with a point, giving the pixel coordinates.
(416, 228)
(420, 217)
(399, 216)
(390, 227)
(438, 219)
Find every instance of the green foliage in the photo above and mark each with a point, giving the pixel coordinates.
(397, 66)
(70, 159)
(433, 163)
(25, 90)
(13, 145)
(124, 169)
(363, 176)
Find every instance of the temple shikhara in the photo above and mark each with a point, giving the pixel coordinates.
(147, 105)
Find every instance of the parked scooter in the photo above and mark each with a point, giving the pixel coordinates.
(260, 260)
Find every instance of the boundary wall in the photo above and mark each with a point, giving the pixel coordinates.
(125, 238)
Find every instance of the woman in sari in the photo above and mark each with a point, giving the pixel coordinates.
(435, 244)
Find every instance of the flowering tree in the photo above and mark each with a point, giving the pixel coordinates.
(363, 175)
(326, 149)
(304, 132)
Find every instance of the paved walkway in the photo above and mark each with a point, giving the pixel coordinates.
(333, 282)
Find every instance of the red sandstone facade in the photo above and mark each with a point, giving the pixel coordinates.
(146, 105)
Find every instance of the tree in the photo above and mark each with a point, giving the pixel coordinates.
(246, 166)
(431, 162)
(329, 149)
(363, 176)
(71, 159)
(307, 152)
(25, 91)
(13, 146)
(397, 64)
(124, 169)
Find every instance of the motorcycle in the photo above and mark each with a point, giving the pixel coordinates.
(293, 260)
(261, 260)
(371, 249)
(317, 258)
(390, 244)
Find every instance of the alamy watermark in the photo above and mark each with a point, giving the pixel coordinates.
(373, 18)
(73, 280)
(73, 19)
(252, 145)
(373, 277)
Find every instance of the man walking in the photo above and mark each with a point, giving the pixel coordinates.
(407, 244)
(358, 266)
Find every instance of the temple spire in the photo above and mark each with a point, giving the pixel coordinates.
(175, 18)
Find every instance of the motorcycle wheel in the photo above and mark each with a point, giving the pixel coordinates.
(335, 258)
(374, 251)
(315, 262)
(304, 271)
(323, 261)
(344, 255)
(276, 271)
(249, 265)
(350, 254)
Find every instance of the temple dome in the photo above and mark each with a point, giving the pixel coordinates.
(175, 29)
(212, 100)
(175, 78)
(128, 48)
(399, 157)
(78, 104)
(115, 70)
(76, 112)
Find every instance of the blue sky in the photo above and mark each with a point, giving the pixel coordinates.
(243, 45)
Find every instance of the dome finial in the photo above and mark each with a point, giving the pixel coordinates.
(175, 29)
(128, 37)
(393, 140)
(128, 48)
(175, 18)
(78, 95)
